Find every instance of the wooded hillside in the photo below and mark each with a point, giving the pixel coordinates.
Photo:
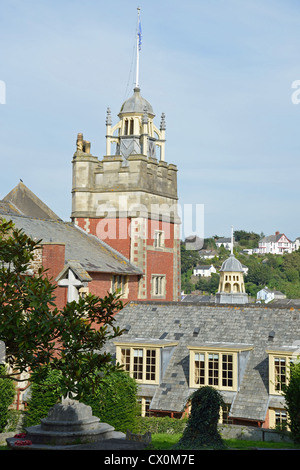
(278, 272)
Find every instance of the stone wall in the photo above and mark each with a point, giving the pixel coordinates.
(249, 433)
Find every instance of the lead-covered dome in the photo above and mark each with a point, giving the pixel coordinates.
(232, 265)
(136, 104)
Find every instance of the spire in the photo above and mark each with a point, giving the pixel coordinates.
(232, 240)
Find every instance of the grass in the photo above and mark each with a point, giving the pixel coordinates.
(167, 441)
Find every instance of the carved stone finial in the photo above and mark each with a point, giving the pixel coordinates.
(108, 117)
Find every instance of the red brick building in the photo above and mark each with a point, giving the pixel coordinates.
(129, 198)
(124, 232)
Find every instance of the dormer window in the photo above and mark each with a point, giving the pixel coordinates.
(217, 365)
(144, 359)
(280, 361)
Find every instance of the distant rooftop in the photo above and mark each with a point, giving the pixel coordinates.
(22, 201)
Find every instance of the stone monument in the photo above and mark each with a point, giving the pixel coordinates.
(68, 424)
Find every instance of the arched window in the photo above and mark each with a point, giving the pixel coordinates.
(131, 127)
(126, 127)
(227, 287)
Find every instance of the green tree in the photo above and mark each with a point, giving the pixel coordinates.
(189, 258)
(291, 393)
(259, 274)
(202, 426)
(246, 239)
(37, 335)
(209, 284)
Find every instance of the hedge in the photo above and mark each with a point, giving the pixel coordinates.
(7, 394)
(114, 402)
(159, 425)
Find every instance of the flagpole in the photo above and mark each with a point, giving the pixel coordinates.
(138, 50)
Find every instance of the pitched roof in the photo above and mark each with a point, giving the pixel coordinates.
(273, 238)
(247, 325)
(25, 202)
(93, 254)
(204, 266)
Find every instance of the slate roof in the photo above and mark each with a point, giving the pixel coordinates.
(93, 254)
(24, 202)
(198, 298)
(249, 325)
(231, 264)
(136, 104)
(205, 267)
(273, 238)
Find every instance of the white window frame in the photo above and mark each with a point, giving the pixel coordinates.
(138, 362)
(120, 281)
(158, 286)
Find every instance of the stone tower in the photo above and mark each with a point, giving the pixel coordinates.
(129, 198)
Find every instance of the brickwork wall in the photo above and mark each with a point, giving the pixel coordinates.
(53, 259)
(160, 263)
(112, 231)
(141, 251)
(101, 285)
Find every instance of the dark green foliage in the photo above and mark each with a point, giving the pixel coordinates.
(209, 284)
(189, 258)
(7, 393)
(292, 397)
(165, 425)
(202, 426)
(37, 335)
(43, 397)
(246, 239)
(115, 401)
(278, 272)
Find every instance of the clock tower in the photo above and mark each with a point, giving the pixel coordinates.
(129, 198)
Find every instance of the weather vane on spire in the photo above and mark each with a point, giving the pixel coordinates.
(138, 47)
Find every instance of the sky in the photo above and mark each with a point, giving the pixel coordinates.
(222, 71)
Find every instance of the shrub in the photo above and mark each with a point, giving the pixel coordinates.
(165, 425)
(115, 401)
(43, 397)
(7, 394)
(292, 397)
(202, 426)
